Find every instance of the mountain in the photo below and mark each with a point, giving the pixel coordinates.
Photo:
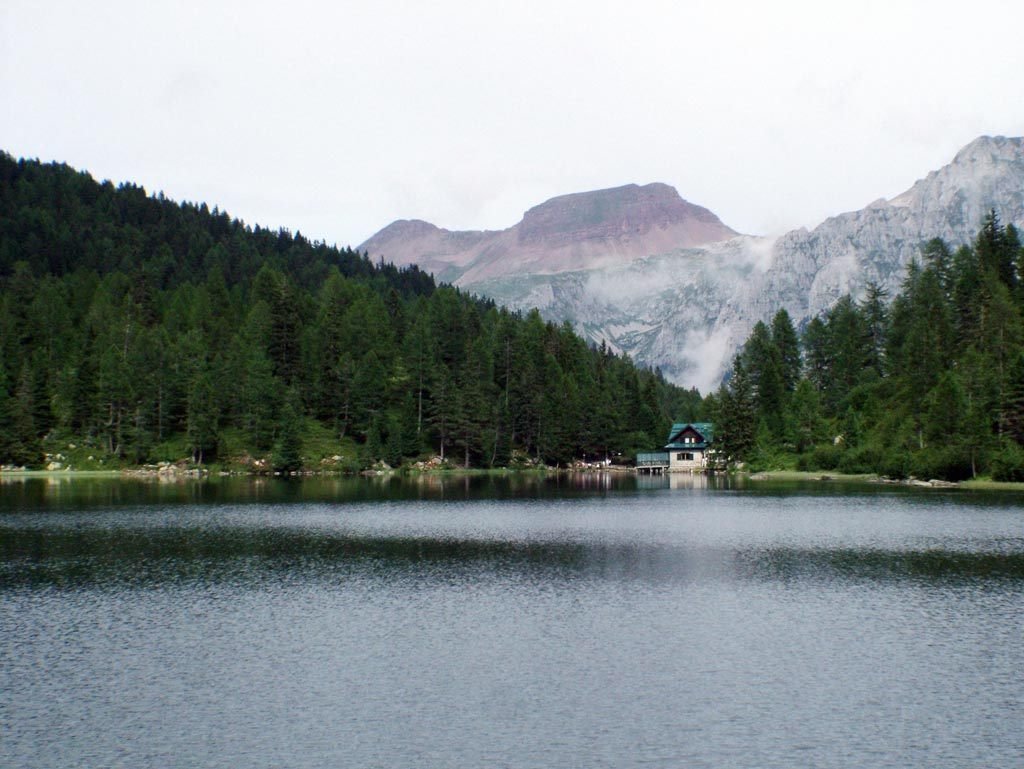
(809, 270)
(686, 307)
(582, 231)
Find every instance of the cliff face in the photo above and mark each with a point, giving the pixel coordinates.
(583, 231)
(810, 270)
(687, 311)
(665, 281)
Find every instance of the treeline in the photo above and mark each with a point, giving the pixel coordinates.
(139, 327)
(929, 384)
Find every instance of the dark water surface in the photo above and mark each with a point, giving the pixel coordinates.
(599, 621)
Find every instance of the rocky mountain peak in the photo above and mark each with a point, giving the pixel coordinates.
(951, 202)
(407, 228)
(991, 149)
(630, 210)
(688, 311)
(584, 230)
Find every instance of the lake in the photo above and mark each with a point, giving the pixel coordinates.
(587, 621)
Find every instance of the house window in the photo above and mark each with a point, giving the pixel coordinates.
(685, 456)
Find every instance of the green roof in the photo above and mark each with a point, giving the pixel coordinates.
(706, 430)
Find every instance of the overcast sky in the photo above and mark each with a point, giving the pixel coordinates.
(337, 118)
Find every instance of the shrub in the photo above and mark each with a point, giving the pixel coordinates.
(950, 464)
(894, 464)
(823, 458)
(862, 459)
(1008, 463)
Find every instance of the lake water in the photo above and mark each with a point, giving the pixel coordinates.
(598, 621)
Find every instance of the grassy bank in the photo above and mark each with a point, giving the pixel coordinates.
(987, 484)
(807, 475)
(60, 473)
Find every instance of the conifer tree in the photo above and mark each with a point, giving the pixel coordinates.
(736, 417)
(288, 451)
(787, 344)
(876, 318)
(203, 425)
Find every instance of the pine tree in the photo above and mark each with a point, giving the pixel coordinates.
(806, 423)
(763, 364)
(736, 417)
(817, 355)
(1013, 408)
(876, 318)
(787, 344)
(997, 250)
(203, 428)
(288, 451)
(373, 449)
(937, 256)
(392, 451)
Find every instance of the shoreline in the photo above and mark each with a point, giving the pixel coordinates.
(824, 477)
(974, 484)
(62, 474)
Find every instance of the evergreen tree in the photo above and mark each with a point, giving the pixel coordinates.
(876, 318)
(928, 343)
(817, 355)
(736, 417)
(945, 409)
(787, 344)
(937, 256)
(203, 428)
(806, 422)
(849, 350)
(1013, 408)
(288, 451)
(997, 250)
(392, 451)
(967, 284)
(373, 449)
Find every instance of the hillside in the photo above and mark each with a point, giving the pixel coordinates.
(134, 329)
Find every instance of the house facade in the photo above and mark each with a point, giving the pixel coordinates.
(688, 450)
(688, 445)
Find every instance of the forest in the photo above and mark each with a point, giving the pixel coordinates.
(135, 329)
(928, 383)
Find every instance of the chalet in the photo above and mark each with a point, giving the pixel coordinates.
(688, 450)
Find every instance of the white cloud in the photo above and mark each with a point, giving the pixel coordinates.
(707, 352)
(337, 118)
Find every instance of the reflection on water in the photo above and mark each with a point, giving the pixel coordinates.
(600, 621)
(680, 481)
(97, 554)
(67, 491)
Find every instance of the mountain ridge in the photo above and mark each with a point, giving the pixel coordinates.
(582, 230)
(687, 310)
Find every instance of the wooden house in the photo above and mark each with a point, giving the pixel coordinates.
(688, 450)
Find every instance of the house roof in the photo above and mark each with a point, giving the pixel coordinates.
(705, 434)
